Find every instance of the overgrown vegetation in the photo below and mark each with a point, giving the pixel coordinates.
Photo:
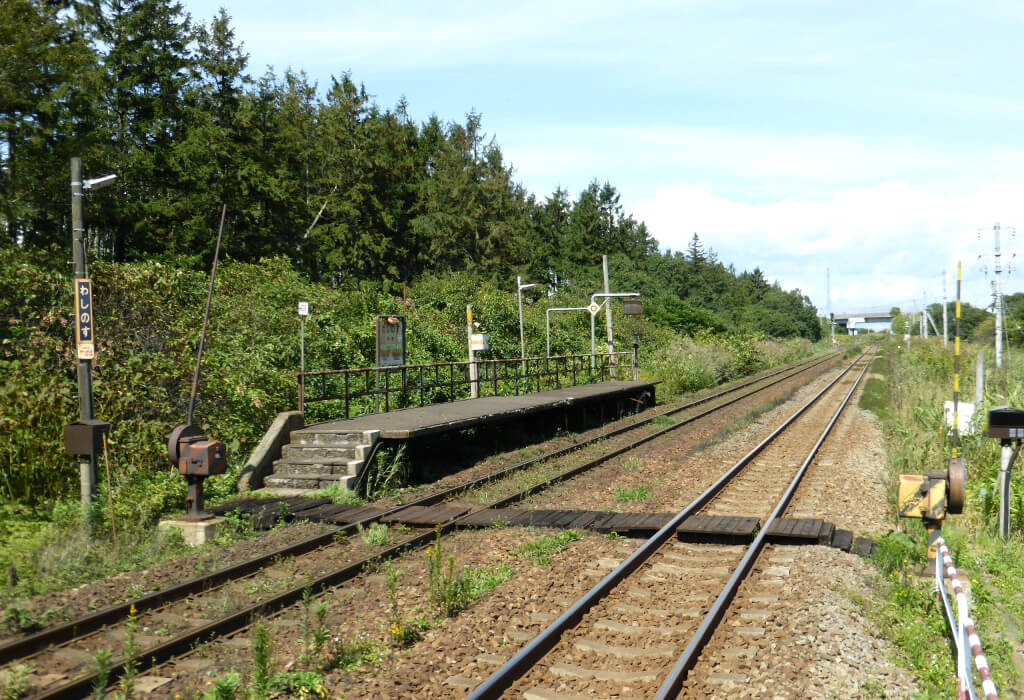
(910, 404)
(378, 200)
(453, 589)
(540, 551)
(637, 493)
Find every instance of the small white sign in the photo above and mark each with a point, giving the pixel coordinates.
(479, 341)
(303, 308)
(964, 416)
(593, 308)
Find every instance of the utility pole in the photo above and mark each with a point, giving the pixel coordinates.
(522, 335)
(945, 320)
(608, 307)
(997, 291)
(828, 303)
(924, 316)
(998, 301)
(84, 320)
(87, 467)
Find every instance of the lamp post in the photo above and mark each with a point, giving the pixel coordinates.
(87, 469)
(547, 324)
(595, 307)
(519, 294)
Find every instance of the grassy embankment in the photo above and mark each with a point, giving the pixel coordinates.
(148, 320)
(908, 398)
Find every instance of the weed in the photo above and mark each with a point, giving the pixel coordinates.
(314, 635)
(307, 620)
(320, 633)
(134, 591)
(225, 688)
(15, 681)
(402, 633)
(896, 551)
(237, 526)
(340, 495)
(453, 591)
(540, 551)
(663, 420)
(377, 535)
(101, 664)
(350, 653)
(262, 586)
(449, 591)
(388, 473)
(632, 464)
(284, 512)
(20, 619)
(486, 578)
(299, 684)
(615, 536)
(262, 658)
(131, 664)
(639, 493)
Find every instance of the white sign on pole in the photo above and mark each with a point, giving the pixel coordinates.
(593, 308)
(303, 308)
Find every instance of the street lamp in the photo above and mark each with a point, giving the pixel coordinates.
(595, 307)
(519, 293)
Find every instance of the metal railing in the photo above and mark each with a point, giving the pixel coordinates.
(366, 390)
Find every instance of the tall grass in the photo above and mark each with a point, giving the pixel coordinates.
(690, 364)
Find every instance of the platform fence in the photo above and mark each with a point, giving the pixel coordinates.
(367, 390)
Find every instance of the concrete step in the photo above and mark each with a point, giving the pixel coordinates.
(312, 482)
(309, 454)
(285, 468)
(315, 439)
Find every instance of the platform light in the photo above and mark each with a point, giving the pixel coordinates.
(519, 295)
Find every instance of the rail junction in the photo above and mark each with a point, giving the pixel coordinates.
(718, 544)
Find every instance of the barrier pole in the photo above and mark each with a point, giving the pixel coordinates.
(967, 635)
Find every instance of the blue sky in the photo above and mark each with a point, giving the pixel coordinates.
(872, 138)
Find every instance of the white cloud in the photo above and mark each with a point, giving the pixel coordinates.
(885, 244)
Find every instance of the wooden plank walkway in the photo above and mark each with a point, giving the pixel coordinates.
(458, 415)
(709, 529)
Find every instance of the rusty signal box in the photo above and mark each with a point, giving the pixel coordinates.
(85, 438)
(202, 457)
(196, 457)
(1006, 423)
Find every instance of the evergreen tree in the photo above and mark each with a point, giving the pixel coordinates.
(47, 80)
(146, 74)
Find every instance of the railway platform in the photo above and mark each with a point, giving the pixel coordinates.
(319, 455)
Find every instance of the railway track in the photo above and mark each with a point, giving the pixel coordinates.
(640, 630)
(70, 649)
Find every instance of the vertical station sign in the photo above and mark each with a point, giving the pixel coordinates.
(84, 323)
(390, 341)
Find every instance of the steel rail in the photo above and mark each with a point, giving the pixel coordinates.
(503, 679)
(670, 688)
(184, 642)
(19, 648)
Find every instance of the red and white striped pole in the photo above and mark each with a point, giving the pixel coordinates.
(967, 625)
